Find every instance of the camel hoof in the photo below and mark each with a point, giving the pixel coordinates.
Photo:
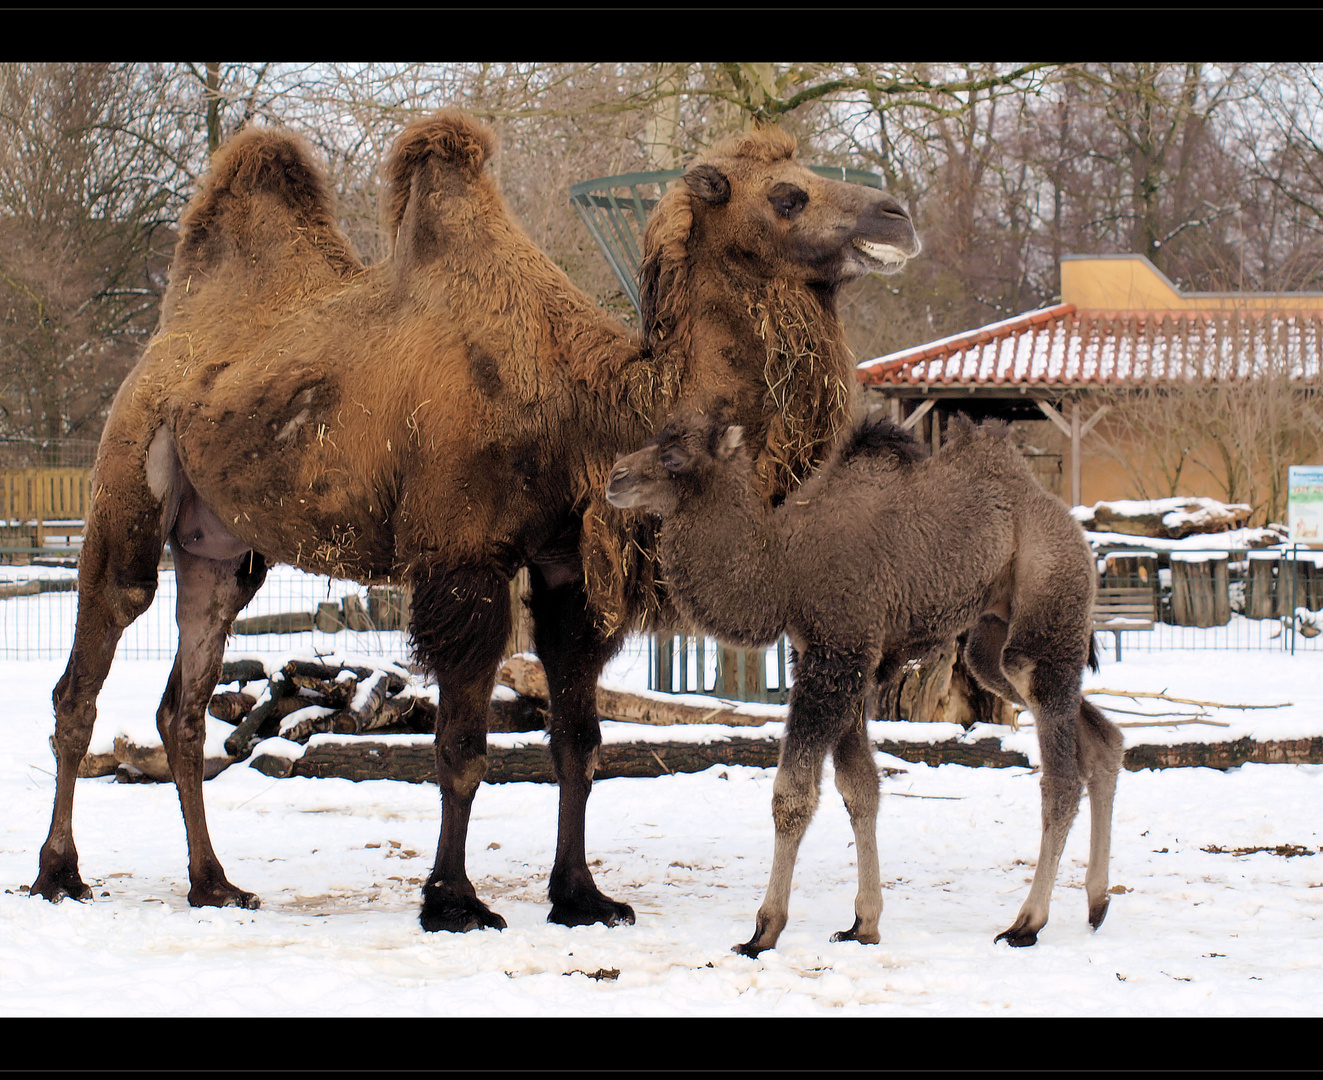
(1018, 937)
(1098, 911)
(587, 910)
(55, 885)
(854, 935)
(223, 895)
(857, 933)
(444, 910)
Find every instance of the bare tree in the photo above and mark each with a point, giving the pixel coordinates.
(89, 186)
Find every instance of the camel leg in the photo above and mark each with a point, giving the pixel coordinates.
(573, 652)
(1101, 753)
(1053, 693)
(116, 584)
(826, 700)
(211, 593)
(983, 649)
(106, 605)
(856, 780)
(460, 624)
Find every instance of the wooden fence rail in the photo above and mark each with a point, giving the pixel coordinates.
(35, 502)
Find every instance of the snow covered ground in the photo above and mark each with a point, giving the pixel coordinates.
(338, 865)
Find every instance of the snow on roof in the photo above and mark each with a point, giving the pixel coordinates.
(1060, 346)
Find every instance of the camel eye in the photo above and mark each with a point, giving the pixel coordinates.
(673, 458)
(787, 199)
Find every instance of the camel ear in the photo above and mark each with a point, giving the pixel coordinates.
(708, 183)
(729, 442)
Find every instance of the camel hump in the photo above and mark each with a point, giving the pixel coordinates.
(260, 159)
(881, 437)
(963, 431)
(222, 220)
(451, 136)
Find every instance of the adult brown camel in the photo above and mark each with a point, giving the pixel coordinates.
(445, 417)
(881, 556)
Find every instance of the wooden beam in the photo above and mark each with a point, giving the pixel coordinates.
(918, 414)
(1055, 417)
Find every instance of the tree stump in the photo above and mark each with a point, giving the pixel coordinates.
(1263, 598)
(329, 618)
(355, 613)
(1304, 584)
(1200, 588)
(388, 607)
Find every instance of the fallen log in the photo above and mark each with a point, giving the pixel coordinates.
(1226, 755)
(363, 759)
(287, 622)
(524, 675)
(367, 759)
(39, 585)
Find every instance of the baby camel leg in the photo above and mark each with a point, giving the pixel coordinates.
(826, 699)
(1100, 754)
(856, 780)
(211, 593)
(1053, 693)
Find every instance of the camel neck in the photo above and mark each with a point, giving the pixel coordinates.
(722, 556)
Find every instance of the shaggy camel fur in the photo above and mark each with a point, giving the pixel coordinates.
(444, 418)
(882, 556)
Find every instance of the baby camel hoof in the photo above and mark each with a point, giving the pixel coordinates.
(1018, 937)
(444, 909)
(856, 933)
(225, 895)
(586, 911)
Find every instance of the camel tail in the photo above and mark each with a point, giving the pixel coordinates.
(450, 136)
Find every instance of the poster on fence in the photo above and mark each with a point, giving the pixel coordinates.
(1304, 504)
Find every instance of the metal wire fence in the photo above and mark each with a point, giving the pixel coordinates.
(1237, 600)
(39, 625)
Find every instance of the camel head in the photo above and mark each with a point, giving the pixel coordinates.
(750, 206)
(675, 463)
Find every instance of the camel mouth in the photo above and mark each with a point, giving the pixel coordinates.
(882, 258)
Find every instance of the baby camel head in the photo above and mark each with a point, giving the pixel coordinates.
(674, 465)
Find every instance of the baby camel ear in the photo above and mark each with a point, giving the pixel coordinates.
(729, 441)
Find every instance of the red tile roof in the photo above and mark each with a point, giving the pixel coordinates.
(1060, 347)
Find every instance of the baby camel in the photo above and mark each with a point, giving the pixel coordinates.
(881, 556)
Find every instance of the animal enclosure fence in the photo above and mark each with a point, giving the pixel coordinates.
(1238, 600)
(36, 503)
